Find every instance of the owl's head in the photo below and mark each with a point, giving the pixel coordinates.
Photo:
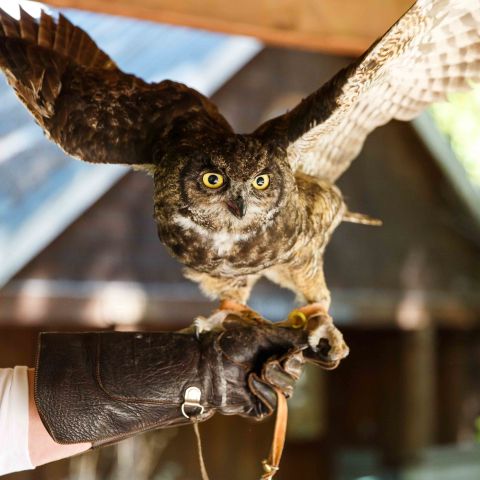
(235, 185)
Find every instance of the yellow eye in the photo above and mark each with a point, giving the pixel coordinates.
(261, 182)
(212, 180)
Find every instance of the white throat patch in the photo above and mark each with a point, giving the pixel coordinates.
(223, 241)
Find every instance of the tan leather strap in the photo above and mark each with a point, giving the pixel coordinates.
(271, 466)
(203, 468)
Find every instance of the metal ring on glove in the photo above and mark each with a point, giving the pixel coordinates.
(192, 398)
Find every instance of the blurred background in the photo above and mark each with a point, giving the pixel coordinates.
(79, 250)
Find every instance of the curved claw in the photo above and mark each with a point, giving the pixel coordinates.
(214, 321)
(227, 307)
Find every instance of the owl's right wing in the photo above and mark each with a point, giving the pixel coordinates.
(86, 104)
(432, 50)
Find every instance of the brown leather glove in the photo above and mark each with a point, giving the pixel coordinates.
(103, 387)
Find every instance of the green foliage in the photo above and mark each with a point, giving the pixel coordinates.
(477, 429)
(459, 119)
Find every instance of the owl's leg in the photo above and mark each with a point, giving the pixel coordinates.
(319, 322)
(233, 294)
(309, 284)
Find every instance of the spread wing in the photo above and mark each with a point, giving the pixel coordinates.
(432, 50)
(86, 104)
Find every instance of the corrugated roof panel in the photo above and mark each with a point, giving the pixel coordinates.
(41, 189)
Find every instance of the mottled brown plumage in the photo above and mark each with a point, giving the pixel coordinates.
(231, 235)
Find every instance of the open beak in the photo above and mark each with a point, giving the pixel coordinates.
(237, 206)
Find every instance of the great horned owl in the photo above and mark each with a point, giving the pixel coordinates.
(235, 207)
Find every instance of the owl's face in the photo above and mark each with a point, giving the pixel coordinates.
(237, 186)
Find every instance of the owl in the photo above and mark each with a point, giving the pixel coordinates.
(235, 207)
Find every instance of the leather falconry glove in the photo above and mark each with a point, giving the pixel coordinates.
(106, 386)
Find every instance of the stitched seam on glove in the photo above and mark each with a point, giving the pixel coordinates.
(145, 428)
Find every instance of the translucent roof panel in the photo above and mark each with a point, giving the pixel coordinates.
(41, 189)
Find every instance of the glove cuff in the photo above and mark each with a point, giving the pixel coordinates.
(104, 387)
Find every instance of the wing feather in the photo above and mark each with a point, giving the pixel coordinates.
(432, 50)
(86, 104)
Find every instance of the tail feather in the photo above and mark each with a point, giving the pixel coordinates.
(361, 219)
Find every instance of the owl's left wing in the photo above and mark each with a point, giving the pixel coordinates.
(432, 50)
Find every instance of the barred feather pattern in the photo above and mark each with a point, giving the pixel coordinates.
(33, 55)
(89, 107)
(434, 49)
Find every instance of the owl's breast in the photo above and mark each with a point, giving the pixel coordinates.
(225, 253)
(303, 225)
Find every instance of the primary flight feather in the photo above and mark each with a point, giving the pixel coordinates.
(233, 207)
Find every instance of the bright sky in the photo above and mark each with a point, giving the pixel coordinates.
(11, 7)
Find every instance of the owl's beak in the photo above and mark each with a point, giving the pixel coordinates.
(237, 206)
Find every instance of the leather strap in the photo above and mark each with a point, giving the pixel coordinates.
(203, 468)
(271, 465)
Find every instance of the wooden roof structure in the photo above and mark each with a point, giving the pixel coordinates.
(392, 286)
(341, 27)
(399, 292)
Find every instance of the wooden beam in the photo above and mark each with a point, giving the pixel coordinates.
(108, 304)
(345, 27)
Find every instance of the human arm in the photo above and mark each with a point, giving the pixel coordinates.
(41, 447)
(98, 388)
(24, 442)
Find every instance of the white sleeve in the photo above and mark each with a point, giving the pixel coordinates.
(14, 455)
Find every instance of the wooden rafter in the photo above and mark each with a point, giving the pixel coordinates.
(337, 26)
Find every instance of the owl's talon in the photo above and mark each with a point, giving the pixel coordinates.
(320, 326)
(227, 307)
(213, 322)
(241, 310)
